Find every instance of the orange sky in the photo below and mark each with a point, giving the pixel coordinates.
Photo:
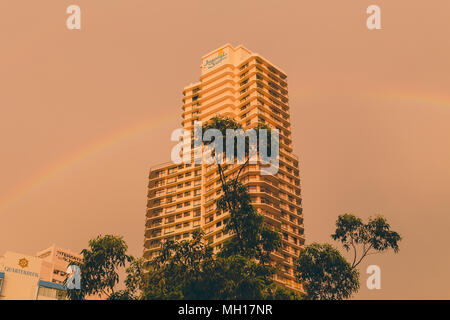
(84, 114)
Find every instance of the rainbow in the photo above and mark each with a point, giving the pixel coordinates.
(426, 98)
(429, 99)
(122, 134)
(79, 154)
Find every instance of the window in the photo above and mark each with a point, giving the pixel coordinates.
(243, 67)
(244, 98)
(170, 219)
(159, 183)
(172, 170)
(52, 293)
(245, 106)
(171, 180)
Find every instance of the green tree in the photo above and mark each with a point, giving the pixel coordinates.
(242, 269)
(365, 239)
(236, 277)
(188, 270)
(244, 257)
(134, 282)
(178, 264)
(251, 236)
(99, 267)
(325, 273)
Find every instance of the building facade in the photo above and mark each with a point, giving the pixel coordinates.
(236, 83)
(55, 261)
(40, 277)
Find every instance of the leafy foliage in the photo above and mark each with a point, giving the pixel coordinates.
(325, 273)
(188, 270)
(373, 237)
(252, 238)
(134, 282)
(224, 124)
(241, 270)
(178, 264)
(100, 265)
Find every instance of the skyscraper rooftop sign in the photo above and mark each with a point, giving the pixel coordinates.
(211, 63)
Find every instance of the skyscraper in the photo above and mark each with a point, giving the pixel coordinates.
(240, 84)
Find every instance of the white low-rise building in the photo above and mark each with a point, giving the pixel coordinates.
(40, 277)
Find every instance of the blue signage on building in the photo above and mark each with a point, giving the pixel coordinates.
(215, 61)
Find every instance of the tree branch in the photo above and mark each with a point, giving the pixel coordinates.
(365, 252)
(354, 253)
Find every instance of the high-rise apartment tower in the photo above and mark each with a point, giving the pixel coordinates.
(235, 83)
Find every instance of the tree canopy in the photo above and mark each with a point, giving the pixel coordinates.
(100, 265)
(325, 273)
(373, 237)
